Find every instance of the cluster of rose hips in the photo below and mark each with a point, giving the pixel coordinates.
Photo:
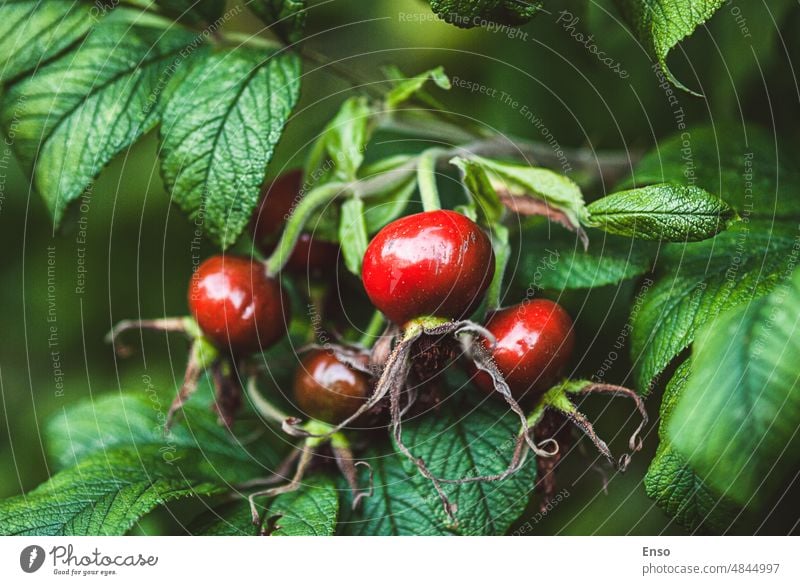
(426, 273)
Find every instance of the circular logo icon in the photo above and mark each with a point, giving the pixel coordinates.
(31, 558)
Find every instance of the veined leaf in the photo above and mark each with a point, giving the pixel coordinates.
(137, 421)
(698, 282)
(406, 87)
(309, 511)
(71, 117)
(736, 423)
(665, 211)
(661, 24)
(219, 131)
(470, 13)
(34, 31)
(106, 493)
(742, 165)
(674, 485)
(480, 190)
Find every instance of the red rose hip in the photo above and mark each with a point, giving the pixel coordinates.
(310, 255)
(534, 344)
(436, 263)
(329, 390)
(237, 306)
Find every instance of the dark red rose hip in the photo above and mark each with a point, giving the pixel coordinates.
(329, 390)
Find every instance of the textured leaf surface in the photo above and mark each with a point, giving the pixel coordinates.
(33, 31)
(699, 281)
(741, 165)
(556, 260)
(661, 24)
(309, 511)
(353, 234)
(135, 420)
(462, 439)
(665, 211)
(737, 421)
(75, 114)
(674, 485)
(219, 131)
(105, 494)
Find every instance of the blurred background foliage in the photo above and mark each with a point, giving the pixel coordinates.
(138, 247)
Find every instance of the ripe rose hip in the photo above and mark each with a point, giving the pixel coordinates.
(436, 263)
(310, 255)
(237, 306)
(329, 390)
(534, 343)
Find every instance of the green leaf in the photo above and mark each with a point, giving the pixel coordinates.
(32, 32)
(558, 193)
(502, 252)
(219, 131)
(398, 505)
(665, 211)
(203, 12)
(137, 420)
(699, 281)
(674, 485)
(470, 13)
(353, 234)
(339, 151)
(742, 165)
(309, 511)
(406, 87)
(71, 117)
(737, 421)
(480, 190)
(287, 17)
(106, 493)
(556, 260)
(661, 24)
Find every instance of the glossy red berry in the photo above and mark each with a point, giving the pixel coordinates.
(436, 263)
(310, 255)
(329, 390)
(237, 306)
(534, 344)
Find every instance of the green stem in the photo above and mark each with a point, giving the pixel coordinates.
(426, 179)
(373, 330)
(307, 205)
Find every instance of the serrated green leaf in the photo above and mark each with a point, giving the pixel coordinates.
(398, 506)
(470, 13)
(32, 32)
(558, 192)
(309, 511)
(699, 281)
(106, 493)
(736, 423)
(70, 118)
(556, 260)
(666, 211)
(742, 165)
(204, 12)
(286, 17)
(137, 420)
(661, 24)
(674, 485)
(219, 130)
(353, 234)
